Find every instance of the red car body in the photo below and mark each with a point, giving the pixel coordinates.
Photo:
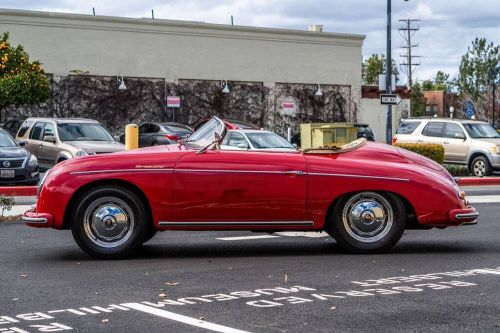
(182, 189)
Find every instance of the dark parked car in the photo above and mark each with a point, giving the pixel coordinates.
(17, 165)
(12, 126)
(364, 131)
(152, 134)
(231, 124)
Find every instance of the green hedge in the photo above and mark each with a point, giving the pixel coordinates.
(430, 150)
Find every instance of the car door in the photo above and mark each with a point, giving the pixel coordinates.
(35, 138)
(47, 151)
(142, 135)
(237, 188)
(455, 145)
(433, 132)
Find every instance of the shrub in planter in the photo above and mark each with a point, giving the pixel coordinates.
(430, 150)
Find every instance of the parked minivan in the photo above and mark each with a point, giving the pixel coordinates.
(475, 144)
(53, 140)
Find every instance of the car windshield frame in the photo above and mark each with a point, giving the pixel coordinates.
(481, 131)
(6, 140)
(106, 136)
(252, 137)
(206, 135)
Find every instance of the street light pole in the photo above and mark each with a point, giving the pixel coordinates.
(494, 108)
(388, 76)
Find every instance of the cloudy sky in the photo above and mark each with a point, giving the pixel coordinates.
(447, 27)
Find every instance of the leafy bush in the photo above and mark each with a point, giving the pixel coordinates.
(457, 170)
(6, 203)
(430, 150)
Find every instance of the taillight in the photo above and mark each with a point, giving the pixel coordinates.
(172, 137)
(394, 139)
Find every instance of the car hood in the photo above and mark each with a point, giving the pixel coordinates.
(97, 146)
(494, 141)
(13, 152)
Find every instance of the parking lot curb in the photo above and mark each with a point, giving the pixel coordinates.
(478, 181)
(18, 191)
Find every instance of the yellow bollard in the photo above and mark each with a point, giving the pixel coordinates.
(131, 136)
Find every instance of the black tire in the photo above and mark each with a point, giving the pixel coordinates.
(481, 167)
(367, 222)
(110, 222)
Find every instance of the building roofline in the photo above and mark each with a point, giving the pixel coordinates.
(180, 24)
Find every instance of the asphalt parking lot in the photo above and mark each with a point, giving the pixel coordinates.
(437, 280)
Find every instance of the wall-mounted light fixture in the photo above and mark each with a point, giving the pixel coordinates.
(121, 85)
(225, 88)
(318, 91)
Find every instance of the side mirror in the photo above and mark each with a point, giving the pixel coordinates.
(49, 138)
(21, 143)
(117, 138)
(243, 146)
(459, 136)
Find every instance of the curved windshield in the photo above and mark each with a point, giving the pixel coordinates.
(6, 140)
(206, 133)
(266, 140)
(481, 131)
(83, 132)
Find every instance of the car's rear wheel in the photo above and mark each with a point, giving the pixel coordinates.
(481, 167)
(367, 222)
(110, 222)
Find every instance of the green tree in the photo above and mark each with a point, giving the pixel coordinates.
(418, 101)
(440, 82)
(375, 65)
(479, 66)
(21, 81)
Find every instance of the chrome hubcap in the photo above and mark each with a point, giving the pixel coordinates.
(108, 222)
(367, 217)
(479, 168)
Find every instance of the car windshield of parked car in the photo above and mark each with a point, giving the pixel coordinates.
(266, 140)
(83, 132)
(481, 131)
(175, 128)
(6, 140)
(206, 133)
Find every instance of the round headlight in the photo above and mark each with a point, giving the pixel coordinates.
(33, 162)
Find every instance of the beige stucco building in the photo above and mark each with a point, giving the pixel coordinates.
(174, 50)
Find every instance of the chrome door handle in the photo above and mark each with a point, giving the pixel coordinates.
(294, 172)
(446, 142)
(420, 140)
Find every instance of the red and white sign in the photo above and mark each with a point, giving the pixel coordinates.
(173, 101)
(288, 106)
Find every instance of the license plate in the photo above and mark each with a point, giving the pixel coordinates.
(7, 173)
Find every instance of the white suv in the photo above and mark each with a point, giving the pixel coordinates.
(475, 144)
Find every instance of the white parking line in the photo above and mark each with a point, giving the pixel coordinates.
(182, 319)
(246, 237)
(483, 198)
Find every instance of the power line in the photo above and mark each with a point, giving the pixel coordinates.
(407, 32)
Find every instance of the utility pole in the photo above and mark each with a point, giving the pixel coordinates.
(407, 32)
(388, 76)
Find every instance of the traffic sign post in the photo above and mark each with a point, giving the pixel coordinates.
(390, 99)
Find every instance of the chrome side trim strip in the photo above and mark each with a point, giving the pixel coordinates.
(467, 216)
(122, 170)
(470, 223)
(231, 171)
(358, 176)
(40, 220)
(237, 223)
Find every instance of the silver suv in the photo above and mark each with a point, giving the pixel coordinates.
(475, 144)
(53, 140)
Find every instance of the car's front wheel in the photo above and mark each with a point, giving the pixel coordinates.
(109, 222)
(367, 222)
(481, 167)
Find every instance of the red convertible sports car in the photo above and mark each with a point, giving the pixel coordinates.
(363, 194)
